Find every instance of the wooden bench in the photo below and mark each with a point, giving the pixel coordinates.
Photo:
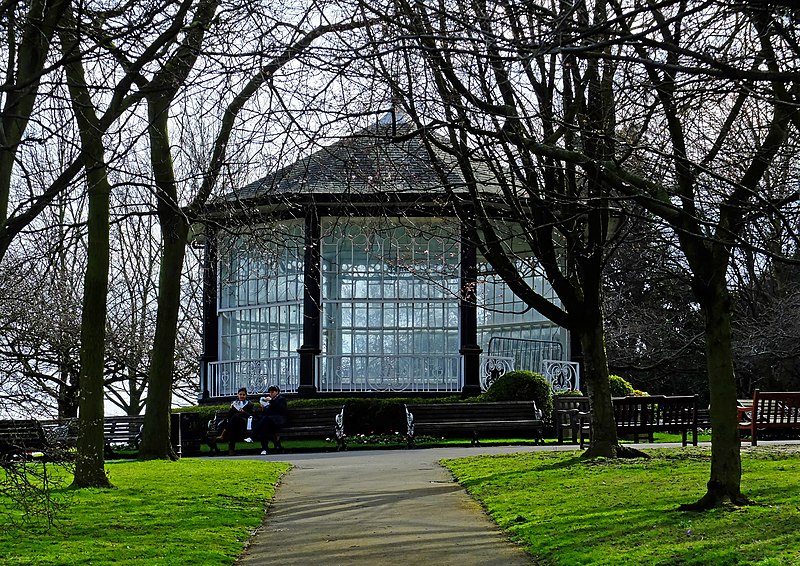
(638, 416)
(474, 420)
(21, 438)
(301, 422)
(770, 410)
(567, 411)
(118, 431)
(122, 431)
(126, 431)
(48, 434)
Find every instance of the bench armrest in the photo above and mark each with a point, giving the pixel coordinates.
(339, 423)
(409, 423)
(744, 414)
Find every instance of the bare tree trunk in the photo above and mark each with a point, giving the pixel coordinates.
(724, 484)
(604, 432)
(589, 326)
(174, 231)
(89, 468)
(157, 444)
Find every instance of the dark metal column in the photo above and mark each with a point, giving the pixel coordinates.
(210, 318)
(312, 306)
(468, 313)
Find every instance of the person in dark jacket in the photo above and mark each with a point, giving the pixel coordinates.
(234, 427)
(273, 419)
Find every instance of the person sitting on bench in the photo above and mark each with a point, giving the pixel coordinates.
(273, 418)
(234, 427)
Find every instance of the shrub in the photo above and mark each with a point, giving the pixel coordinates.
(570, 393)
(522, 385)
(619, 386)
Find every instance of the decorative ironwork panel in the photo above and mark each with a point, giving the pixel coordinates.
(493, 367)
(562, 376)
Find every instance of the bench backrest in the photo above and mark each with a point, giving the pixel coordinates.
(678, 410)
(300, 417)
(655, 410)
(25, 433)
(777, 406)
(636, 411)
(568, 402)
(122, 427)
(467, 412)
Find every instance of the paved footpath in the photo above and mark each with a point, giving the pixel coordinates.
(379, 507)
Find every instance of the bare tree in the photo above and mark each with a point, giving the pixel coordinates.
(175, 221)
(713, 188)
(29, 31)
(39, 346)
(89, 470)
(479, 85)
(574, 107)
(108, 29)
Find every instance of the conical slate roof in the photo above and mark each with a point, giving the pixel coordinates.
(386, 158)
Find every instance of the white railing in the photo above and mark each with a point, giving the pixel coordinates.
(407, 373)
(225, 378)
(562, 376)
(364, 373)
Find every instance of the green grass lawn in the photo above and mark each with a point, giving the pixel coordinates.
(562, 509)
(194, 511)
(396, 440)
(568, 511)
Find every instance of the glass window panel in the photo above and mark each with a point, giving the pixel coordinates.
(347, 343)
(375, 289)
(403, 312)
(347, 315)
(360, 315)
(360, 290)
(375, 316)
(344, 292)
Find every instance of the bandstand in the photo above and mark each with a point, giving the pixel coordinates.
(353, 271)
